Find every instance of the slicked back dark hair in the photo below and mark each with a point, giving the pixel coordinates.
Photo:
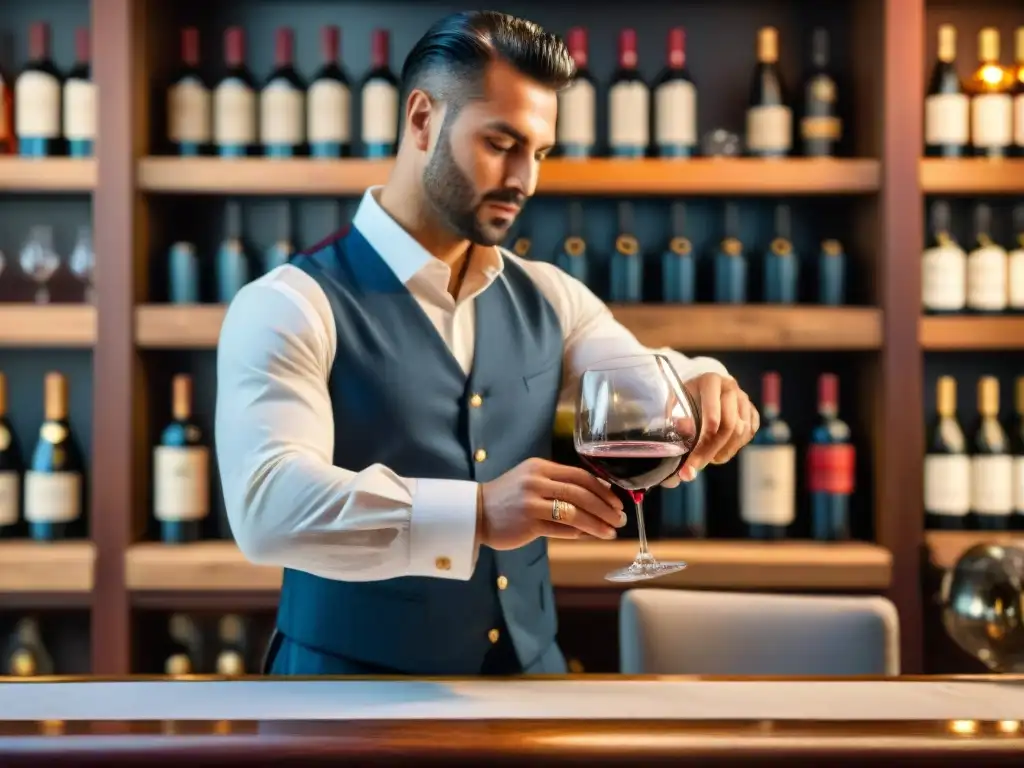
(450, 59)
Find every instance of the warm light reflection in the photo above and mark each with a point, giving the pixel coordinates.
(992, 74)
(617, 740)
(963, 727)
(1009, 726)
(51, 727)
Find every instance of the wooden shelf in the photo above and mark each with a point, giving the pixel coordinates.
(734, 176)
(218, 566)
(693, 328)
(58, 174)
(946, 547)
(52, 325)
(972, 176)
(703, 327)
(45, 567)
(970, 333)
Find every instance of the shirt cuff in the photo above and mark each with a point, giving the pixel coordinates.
(443, 529)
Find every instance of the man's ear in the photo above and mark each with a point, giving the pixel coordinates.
(419, 113)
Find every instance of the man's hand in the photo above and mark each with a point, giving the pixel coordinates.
(516, 508)
(728, 422)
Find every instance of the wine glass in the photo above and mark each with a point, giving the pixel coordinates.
(635, 426)
(39, 261)
(82, 262)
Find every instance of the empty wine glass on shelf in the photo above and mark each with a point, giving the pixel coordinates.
(39, 261)
(635, 426)
(82, 261)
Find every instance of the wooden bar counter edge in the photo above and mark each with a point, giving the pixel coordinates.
(600, 719)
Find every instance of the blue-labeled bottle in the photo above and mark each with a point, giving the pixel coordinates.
(232, 262)
(832, 273)
(730, 277)
(521, 246)
(380, 97)
(684, 510)
(282, 249)
(675, 103)
(627, 262)
(781, 263)
(80, 101)
(679, 263)
(628, 103)
(571, 258)
(183, 274)
(37, 98)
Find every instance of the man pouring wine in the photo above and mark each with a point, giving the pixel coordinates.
(385, 401)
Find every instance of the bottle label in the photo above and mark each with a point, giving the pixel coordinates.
(37, 105)
(947, 484)
(10, 497)
(577, 110)
(53, 497)
(234, 114)
(181, 483)
(282, 114)
(992, 485)
(944, 278)
(79, 109)
(986, 278)
(629, 115)
(188, 112)
(380, 112)
(1018, 485)
(1018, 120)
(675, 112)
(329, 116)
(991, 120)
(769, 128)
(768, 484)
(947, 119)
(830, 128)
(1015, 275)
(5, 113)
(831, 468)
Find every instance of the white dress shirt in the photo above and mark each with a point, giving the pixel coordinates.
(287, 503)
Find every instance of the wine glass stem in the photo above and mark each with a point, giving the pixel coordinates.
(641, 530)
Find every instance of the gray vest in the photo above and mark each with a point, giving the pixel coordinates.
(401, 399)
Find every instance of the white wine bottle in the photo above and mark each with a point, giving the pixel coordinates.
(991, 464)
(947, 468)
(53, 482)
(10, 471)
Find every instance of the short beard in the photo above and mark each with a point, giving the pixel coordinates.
(451, 195)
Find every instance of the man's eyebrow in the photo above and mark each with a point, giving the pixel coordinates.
(508, 130)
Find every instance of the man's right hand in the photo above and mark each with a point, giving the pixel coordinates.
(516, 508)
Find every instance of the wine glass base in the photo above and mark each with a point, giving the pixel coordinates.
(645, 569)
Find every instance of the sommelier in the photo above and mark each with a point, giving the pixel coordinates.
(385, 401)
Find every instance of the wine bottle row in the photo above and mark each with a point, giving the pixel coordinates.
(286, 116)
(43, 498)
(38, 262)
(226, 649)
(976, 483)
(984, 115)
(987, 279)
(731, 273)
(48, 112)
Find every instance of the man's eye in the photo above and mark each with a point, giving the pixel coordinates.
(498, 147)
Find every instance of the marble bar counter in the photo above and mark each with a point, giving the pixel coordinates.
(559, 720)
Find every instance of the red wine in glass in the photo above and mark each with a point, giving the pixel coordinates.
(635, 426)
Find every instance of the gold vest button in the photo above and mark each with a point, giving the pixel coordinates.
(480, 455)
(476, 401)
(443, 564)
(493, 635)
(502, 582)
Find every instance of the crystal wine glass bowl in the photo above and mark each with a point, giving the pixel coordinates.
(39, 261)
(82, 262)
(635, 426)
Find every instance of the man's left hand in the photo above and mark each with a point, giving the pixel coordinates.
(728, 422)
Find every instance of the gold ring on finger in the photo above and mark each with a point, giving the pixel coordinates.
(560, 510)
